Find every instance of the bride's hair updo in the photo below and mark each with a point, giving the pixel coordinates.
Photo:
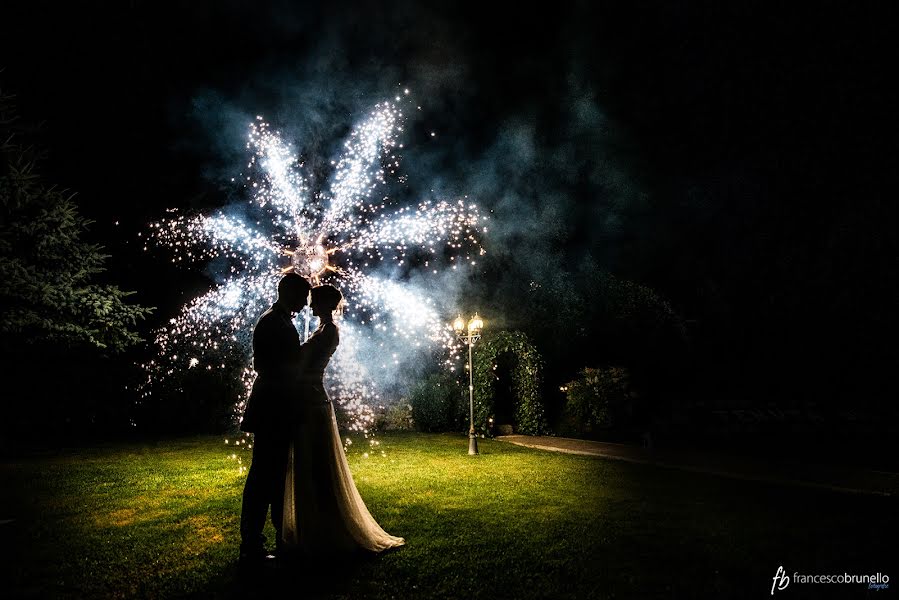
(328, 296)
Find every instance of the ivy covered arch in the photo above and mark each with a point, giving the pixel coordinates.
(529, 412)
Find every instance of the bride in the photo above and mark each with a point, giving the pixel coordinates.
(323, 511)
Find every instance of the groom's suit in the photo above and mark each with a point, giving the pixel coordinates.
(276, 359)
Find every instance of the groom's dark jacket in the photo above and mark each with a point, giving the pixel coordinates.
(276, 359)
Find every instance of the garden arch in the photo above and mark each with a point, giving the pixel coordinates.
(529, 412)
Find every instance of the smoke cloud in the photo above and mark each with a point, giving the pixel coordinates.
(542, 167)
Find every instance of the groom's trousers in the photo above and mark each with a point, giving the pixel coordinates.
(264, 488)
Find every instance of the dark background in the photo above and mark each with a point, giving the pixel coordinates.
(739, 159)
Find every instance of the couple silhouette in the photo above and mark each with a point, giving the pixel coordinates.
(299, 469)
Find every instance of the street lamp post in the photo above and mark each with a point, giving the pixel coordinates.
(470, 334)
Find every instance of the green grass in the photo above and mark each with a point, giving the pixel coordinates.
(149, 521)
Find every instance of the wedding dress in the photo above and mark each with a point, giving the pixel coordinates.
(323, 511)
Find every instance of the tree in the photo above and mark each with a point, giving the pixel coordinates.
(48, 287)
(60, 323)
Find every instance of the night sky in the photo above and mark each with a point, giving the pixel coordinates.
(738, 159)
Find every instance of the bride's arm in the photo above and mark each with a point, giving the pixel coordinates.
(322, 342)
(302, 359)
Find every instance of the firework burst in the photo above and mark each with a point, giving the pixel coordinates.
(346, 234)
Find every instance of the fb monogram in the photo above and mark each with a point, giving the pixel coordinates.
(781, 580)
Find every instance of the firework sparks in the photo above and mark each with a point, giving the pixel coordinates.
(342, 235)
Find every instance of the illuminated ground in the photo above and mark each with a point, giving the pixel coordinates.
(162, 520)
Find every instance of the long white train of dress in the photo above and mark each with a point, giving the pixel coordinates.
(323, 511)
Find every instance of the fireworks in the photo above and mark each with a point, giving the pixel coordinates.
(347, 235)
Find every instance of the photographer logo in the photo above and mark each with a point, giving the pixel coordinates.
(781, 580)
(874, 581)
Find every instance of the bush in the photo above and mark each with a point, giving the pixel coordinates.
(599, 398)
(435, 403)
(395, 417)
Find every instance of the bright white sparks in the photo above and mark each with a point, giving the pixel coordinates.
(342, 235)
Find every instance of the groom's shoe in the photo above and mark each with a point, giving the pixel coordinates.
(254, 559)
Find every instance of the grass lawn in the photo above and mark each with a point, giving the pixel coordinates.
(161, 520)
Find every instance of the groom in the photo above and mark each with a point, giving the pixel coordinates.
(276, 357)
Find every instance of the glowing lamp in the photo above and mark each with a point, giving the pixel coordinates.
(459, 324)
(476, 324)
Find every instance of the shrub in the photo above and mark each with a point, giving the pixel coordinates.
(599, 398)
(435, 403)
(395, 417)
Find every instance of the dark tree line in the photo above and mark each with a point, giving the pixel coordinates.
(62, 320)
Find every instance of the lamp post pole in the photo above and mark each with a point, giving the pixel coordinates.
(472, 438)
(470, 334)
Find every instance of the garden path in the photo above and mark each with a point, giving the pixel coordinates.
(832, 477)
